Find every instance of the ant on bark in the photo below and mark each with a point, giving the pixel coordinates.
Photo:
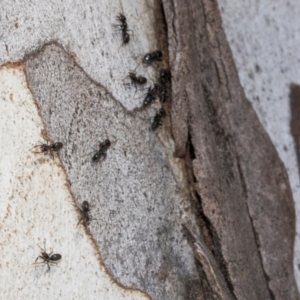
(85, 213)
(123, 27)
(100, 154)
(136, 80)
(50, 149)
(158, 119)
(151, 94)
(164, 81)
(47, 258)
(151, 57)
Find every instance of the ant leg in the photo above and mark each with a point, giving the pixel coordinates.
(38, 263)
(48, 269)
(94, 151)
(37, 152)
(35, 147)
(92, 206)
(35, 262)
(103, 156)
(43, 250)
(80, 220)
(51, 154)
(127, 84)
(45, 136)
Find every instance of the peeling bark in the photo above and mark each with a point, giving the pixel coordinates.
(241, 182)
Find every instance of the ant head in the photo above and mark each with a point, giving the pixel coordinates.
(107, 143)
(162, 112)
(164, 74)
(85, 206)
(121, 18)
(158, 53)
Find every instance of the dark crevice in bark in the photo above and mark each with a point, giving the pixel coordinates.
(222, 138)
(208, 232)
(216, 244)
(244, 187)
(191, 149)
(295, 113)
(164, 21)
(161, 31)
(207, 290)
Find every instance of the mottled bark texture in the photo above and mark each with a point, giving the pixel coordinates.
(137, 203)
(241, 183)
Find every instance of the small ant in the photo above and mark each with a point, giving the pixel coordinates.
(124, 28)
(151, 57)
(164, 76)
(150, 97)
(137, 80)
(164, 79)
(47, 258)
(101, 153)
(158, 119)
(48, 149)
(85, 213)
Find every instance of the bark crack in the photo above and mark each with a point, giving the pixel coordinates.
(210, 237)
(256, 236)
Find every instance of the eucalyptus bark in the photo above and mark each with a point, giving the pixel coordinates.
(200, 209)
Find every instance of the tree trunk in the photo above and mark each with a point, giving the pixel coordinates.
(199, 209)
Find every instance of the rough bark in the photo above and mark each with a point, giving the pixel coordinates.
(241, 183)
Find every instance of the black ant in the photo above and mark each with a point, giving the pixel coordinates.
(164, 76)
(158, 119)
(124, 28)
(101, 153)
(164, 79)
(151, 94)
(85, 213)
(137, 80)
(47, 258)
(152, 57)
(48, 148)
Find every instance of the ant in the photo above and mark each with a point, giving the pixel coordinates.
(164, 76)
(101, 153)
(164, 79)
(150, 97)
(47, 258)
(158, 119)
(151, 57)
(124, 28)
(48, 149)
(137, 80)
(85, 213)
